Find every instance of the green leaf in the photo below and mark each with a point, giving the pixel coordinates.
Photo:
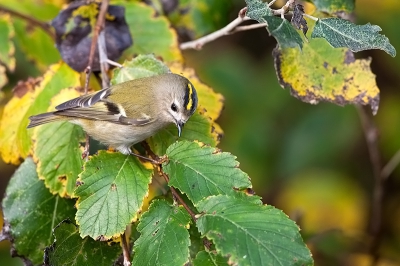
(31, 212)
(283, 32)
(198, 127)
(258, 10)
(342, 33)
(205, 258)
(7, 48)
(150, 34)
(279, 28)
(42, 10)
(329, 75)
(58, 153)
(200, 171)
(57, 150)
(334, 6)
(15, 139)
(251, 234)
(164, 238)
(141, 66)
(196, 241)
(69, 248)
(42, 51)
(112, 190)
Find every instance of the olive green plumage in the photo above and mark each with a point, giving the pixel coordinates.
(129, 112)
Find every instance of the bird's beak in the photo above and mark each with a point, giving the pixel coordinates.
(179, 125)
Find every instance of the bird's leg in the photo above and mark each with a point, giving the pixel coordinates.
(154, 161)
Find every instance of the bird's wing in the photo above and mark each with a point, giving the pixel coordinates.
(102, 110)
(85, 100)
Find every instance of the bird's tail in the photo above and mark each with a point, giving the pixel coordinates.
(41, 119)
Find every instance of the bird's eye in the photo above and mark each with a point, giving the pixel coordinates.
(173, 107)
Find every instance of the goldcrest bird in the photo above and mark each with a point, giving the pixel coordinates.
(129, 112)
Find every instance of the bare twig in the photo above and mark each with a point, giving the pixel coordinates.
(31, 21)
(198, 44)
(248, 27)
(232, 27)
(113, 63)
(284, 9)
(159, 184)
(310, 17)
(101, 45)
(146, 146)
(99, 27)
(158, 161)
(154, 159)
(125, 251)
(371, 136)
(391, 165)
(271, 3)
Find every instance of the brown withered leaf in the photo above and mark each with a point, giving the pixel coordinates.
(297, 20)
(23, 87)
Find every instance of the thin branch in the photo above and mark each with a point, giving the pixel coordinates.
(101, 45)
(271, 3)
(99, 27)
(31, 21)
(311, 17)
(371, 136)
(178, 197)
(159, 184)
(113, 63)
(154, 159)
(249, 27)
(199, 43)
(146, 146)
(284, 9)
(125, 251)
(158, 161)
(166, 178)
(391, 165)
(232, 27)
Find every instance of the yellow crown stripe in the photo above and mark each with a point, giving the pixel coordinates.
(190, 102)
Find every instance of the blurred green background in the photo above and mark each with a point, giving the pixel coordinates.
(310, 161)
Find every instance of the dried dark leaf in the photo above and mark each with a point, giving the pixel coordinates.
(298, 20)
(74, 31)
(23, 87)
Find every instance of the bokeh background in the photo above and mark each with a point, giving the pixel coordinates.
(310, 161)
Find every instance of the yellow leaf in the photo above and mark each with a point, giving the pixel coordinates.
(322, 73)
(15, 138)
